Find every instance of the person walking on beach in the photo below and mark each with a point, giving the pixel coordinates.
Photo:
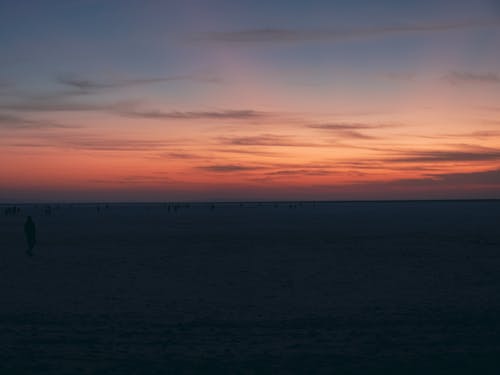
(30, 232)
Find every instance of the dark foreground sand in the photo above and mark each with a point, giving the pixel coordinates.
(344, 288)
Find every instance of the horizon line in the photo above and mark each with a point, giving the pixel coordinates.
(251, 201)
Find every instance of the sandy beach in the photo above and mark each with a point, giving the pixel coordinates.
(317, 288)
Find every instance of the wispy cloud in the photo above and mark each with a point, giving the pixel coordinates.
(129, 108)
(472, 78)
(447, 180)
(179, 155)
(300, 172)
(246, 151)
(347, 126)
(381, 164)
(480, 154)
(12, 122)
(346, 130)
(74, 101)
(88, 84)
(266, 140)
(58, 105)
(277, 35)
(86, 142)
(196, 115)
(476, 134)
(438, 186)
(353, 134)
(483, 178)
(99, 144)
(157, 178)
(272, 170)
(227, 168)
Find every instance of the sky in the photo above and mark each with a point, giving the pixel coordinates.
(144, 100)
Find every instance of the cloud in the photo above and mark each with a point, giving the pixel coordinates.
(381, 164)
(179, 155)
(300, 172)
(276, 35)
(64, 102)
(347, 126)
(100, 144)
(58, 106)
(229, 150)
(78, 141)
(87, 84)
(449, 180)
(345, 130)
(19, 123)
(223, 168)
(472, 78)
(477, 134)
(272, 169)
(196, 115)
(353, 134)
(74, 100)
(135, 179)
(471, 185)
(435, 156)
(482, 178)
(266, 140)
(58, 103)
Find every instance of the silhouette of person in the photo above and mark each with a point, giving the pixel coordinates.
(30, 232)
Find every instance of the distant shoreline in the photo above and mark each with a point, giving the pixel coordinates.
(263, 202)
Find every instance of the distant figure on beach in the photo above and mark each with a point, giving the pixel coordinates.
(12, 211)
(30, 232)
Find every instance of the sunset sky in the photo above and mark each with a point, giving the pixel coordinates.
(197, 100)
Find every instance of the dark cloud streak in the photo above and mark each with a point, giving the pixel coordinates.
(87, 84)
(11, 122)
(345, 130)
(228, 168)
(196, 115)
(300, 172)
(77, 141)
(179, 155)
(448, 156)
(347, 126)
(266, 140)
(277, 35)
(57, 106)
(472, 78)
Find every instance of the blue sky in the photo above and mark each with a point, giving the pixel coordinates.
(40, 39)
